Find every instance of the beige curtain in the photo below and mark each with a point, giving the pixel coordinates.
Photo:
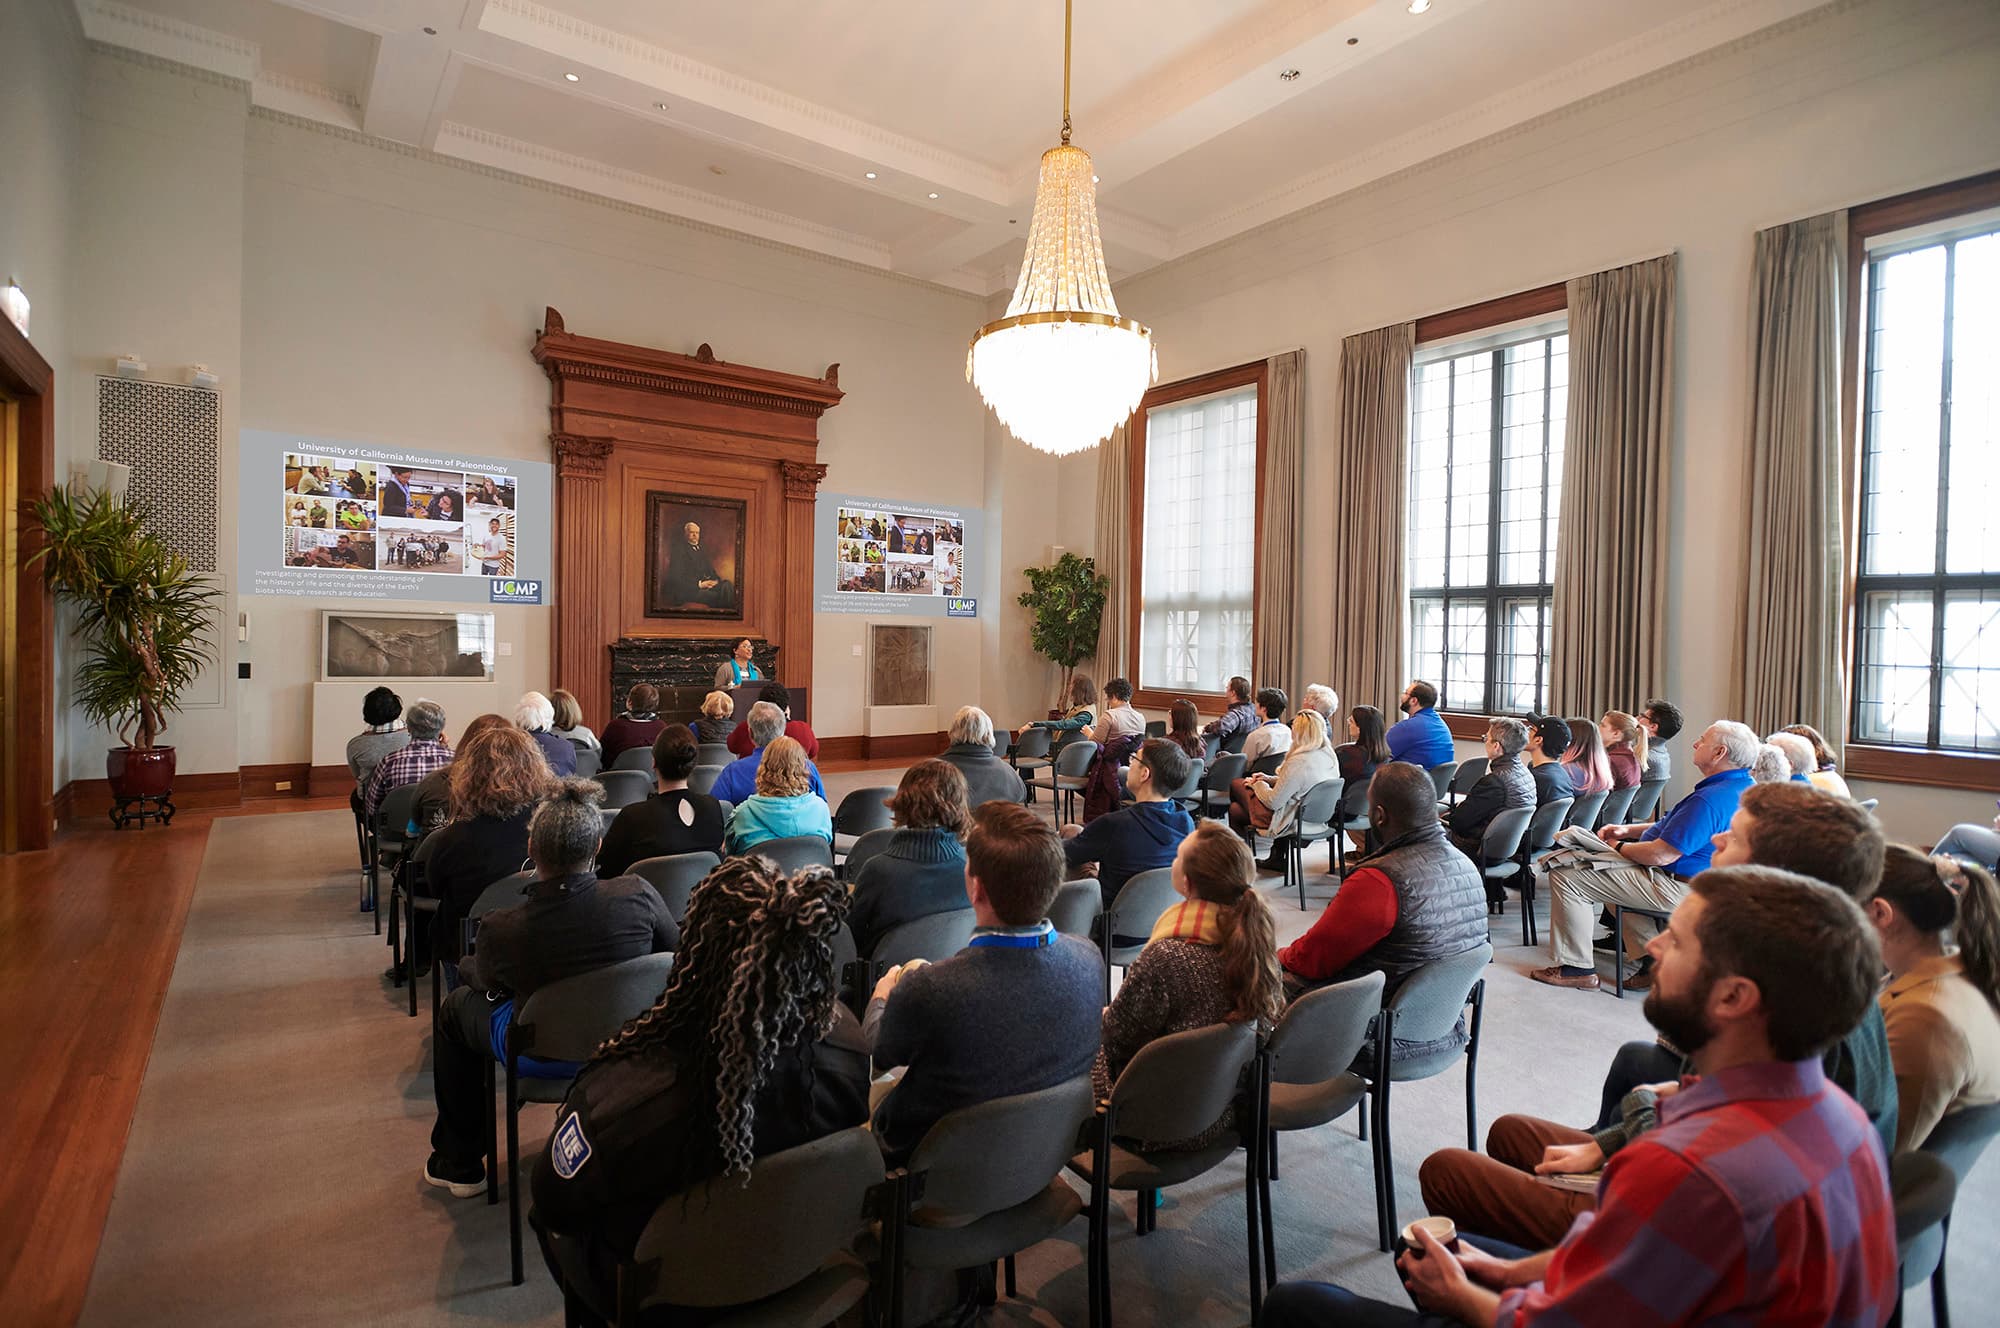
(1791, 663)
(1114, 546)
(1368, 513)
(1277, 607)
(1608, 639)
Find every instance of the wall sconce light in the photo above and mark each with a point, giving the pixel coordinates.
(14, 303)
(130, 366)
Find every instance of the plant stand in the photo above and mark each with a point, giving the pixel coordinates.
(127, 811)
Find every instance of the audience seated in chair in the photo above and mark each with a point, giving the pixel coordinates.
(1270, 737)
(738, 780)
(1800, 762)
(1772, 766)
(636, 726)
(535, 715)
(1184, 729)
(569, 721)
(1209, 961)
(1015, 1012)
(746, 1054)
(1268, 804)
(1420, 738)
(1972, 843)
(1240, 717)
(1785, 826)
(1079, 708)
(1942, 1009)
(1825, 772)
(433, 802)
(1665, 856)
(1367, 747)
(776, 693)
(922, 871)
(1318, 696)
(672, 820)
(1624, 740)
(382, 712)
(1548, 739)
(717, 722)
(1662, 721)
(497, 781)
(1139, 837)
(1589, 768)
(425, 752)
(1505, 786)
(785, 805)
(1415, 900)
(570, 923)
(1117, 719)
(987, 777)
(1763, 1195)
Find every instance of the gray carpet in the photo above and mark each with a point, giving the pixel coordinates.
(273, 1169)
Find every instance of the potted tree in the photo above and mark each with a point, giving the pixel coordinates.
(1068, 603)
(141, 616)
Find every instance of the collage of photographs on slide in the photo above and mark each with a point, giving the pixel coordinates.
(364, 516)
(887, 553)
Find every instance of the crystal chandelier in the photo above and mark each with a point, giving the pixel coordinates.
(1062, 369)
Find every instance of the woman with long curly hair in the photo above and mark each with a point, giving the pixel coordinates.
(1212, 959)
(496, 779)
(747, 1053)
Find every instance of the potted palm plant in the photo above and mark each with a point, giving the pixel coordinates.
(141, 616)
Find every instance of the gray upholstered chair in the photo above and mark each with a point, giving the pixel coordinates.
(564, 1021)
(1441, 776)
(589, 760)
(388, 840)
(1312, 822)
(1426, 1008)
(780, 1244)
(702, 778)
(635, 758)
(864, 848)
(713, 753)
(1175, 1088)
(1462, 779)
(1223, 770)
(1957, 1140)
(675, 876)
(1617, 804)
(1140, 902)
(1353, 819)
(1539, 838)
(1646, 802)
(932, 937)
(1189, 793)
(1076, 908)
(793, 852)
(1064, 778)
(1585, 810)
(1029, 753)
(861, 811)
(624, 787)
(1498, 858)
(1923, 1189)
(1309, 1066)
(1267, 765)
(986, 1183)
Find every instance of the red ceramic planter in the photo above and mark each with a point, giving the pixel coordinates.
(136, 774)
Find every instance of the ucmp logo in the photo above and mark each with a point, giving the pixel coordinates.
(506, 590)
(961, 608)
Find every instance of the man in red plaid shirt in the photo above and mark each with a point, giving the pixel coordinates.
(1763, 1196)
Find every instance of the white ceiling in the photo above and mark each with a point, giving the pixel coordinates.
(766, 116)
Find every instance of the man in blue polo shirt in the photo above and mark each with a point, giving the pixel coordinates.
(1421, 739)
(1665, 856)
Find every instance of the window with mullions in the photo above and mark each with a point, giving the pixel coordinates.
(1927, 595)
(1486, 452)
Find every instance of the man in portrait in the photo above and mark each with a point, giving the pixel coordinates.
(691, 574)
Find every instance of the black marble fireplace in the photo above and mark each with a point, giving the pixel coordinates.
(683, 668)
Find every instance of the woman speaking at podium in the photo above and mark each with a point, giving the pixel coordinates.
(737, 669)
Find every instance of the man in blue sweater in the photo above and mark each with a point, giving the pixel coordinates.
(1018, 1010)
(738, 780)
(1421, 738)
(1140, 837)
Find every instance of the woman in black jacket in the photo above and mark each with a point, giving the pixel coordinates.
(497, 777)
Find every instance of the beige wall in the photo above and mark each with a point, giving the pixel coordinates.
(1847, 104)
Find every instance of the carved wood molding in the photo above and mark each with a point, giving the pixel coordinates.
(802, 480)
(577, 455)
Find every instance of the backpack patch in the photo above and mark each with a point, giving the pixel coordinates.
(568, 1149)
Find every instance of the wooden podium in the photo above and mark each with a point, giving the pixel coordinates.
(746, 696)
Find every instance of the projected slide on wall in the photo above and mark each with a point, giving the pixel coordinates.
(879, 555)
(334, 519)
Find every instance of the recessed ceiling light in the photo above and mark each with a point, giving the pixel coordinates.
(430, 32)
(1353, 41)
(1420, 6)
(573, 78)
(1287, 75)
(659, 106)
(871, 175)
(933, 195)
(713, 169)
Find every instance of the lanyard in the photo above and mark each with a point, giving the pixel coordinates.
(1016, 940)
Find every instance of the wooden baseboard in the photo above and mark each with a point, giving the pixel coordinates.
(285, 780)
(326, 780)
(884, 747)
(89, 799)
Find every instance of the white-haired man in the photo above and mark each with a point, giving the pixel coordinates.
(1326, 701)
(987, 777)
(1665, 856)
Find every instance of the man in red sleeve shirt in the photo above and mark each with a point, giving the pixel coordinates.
(1415, 900)
(797, 730)
(1763, 1196)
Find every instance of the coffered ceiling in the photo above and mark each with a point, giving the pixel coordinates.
(904, 134)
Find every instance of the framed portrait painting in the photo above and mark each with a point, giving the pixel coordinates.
(694, 556)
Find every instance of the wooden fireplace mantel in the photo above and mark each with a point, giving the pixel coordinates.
(627, 419)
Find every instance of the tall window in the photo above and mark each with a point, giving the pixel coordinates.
(1486, 452)
(1198, 535)
(1928, 591)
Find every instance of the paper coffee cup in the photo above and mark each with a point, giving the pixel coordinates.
(1442, 1229)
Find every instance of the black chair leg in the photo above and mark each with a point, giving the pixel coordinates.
(1008, 1265)
(1366, 1108)
(492, 1137)
(410, 946)
(1941, 1302)
(1618, 952)
(1271, 1154)
(1385, 1176)
(514, 1170)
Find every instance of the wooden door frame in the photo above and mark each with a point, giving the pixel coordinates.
(27, 377)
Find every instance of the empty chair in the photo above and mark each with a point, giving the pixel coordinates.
(866, 847)
(932, 937)
(1076, 908)
(635, 758)
(1426, 1008)
(675, 876)
(1223, 771)
(1129, 921)
(780, 1242)
(1646, 802)
(1923, 1189)
(416, 904)
(1309, 1061)
(1312, 822)
(794, 852)
(1617, 804)
(1442, 775)
(1539, 838)
(589, 760)
(389, 839)
(1175, 1088)
(713, 753)
(622, 788)
(1499, 849)
(1029, 753)
(1352, 819)
(1585, 810)
(1156, 728)
(565, 1021)
(1064, 778)
(859, 812)
(986, 1183)
(702, 778)
(1462, 779)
